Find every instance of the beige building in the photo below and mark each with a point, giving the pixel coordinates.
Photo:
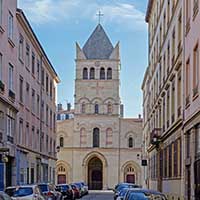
(28, 84)
(171, 103)
(163, 98)
(98, 145)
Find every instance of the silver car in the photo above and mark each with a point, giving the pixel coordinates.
(28, 192)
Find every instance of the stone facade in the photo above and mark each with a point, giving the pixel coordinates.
(98, 145)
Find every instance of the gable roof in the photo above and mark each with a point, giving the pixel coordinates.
(98, 46)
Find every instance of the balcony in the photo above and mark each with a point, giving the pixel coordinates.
(2, 86)
(11, 94)
(10, 139)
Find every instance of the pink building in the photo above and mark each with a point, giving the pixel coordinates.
(192, 99)
(27, 101)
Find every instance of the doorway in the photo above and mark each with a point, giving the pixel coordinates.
(95, 174)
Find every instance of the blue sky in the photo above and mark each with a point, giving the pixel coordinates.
(60, 23)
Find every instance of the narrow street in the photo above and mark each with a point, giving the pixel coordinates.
(99, 195)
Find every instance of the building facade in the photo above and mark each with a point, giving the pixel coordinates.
(163, 98)
(171, 88)
(98, 145)
(28, 93)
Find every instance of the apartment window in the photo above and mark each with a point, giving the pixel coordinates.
(179, 92)
(42, 76)
(165, 162)
(38, 104)
(1, 12)
(197, 140)
(109, 108)
(180, 27)
(187, 145)
(33, 63)
(168, 107)
(168, 12)
(38, 70)
(188, 9)
(47, 143)
(10, 77)
(20, 131)
(173, 100)
(170, 160)
(27, 60)
(109, 73)
(10, 26)
(27, 134)
(10, 126)
(130, 142)
(47, 115)
(195, 68)
(21, 89)
(51, 118)
(47, 83)
(51, 88)
(61, 141)
(96, 109)
(175, 157)
(187, 78)
(102, 73)
(1, 66)
(27, 93)
(173, 45)
(33, 142)
(33, 100)
(21, 47)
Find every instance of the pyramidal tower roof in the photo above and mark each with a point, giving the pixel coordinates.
(98, 46)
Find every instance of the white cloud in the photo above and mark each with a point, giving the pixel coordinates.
(48, 11)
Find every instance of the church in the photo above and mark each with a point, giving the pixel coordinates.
(96, 143)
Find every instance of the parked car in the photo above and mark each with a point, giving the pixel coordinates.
(10, 190)
(80, 187)
(121, 186)
(28, 192)
(4, 196)
(76, 190)
(122, 193)
(143, 194)
(66, 191)
(85, 187)
(49, 191)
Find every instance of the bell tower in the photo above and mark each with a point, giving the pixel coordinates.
(97, 76)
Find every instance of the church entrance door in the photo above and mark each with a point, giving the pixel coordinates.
(95, 174)
(130, 178)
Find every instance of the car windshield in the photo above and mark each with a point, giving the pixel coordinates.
(123, 192)
(23, 191)
(138, 196)
(43, 188)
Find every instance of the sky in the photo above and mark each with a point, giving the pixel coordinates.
(58, 24)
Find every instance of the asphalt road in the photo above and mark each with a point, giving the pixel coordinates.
(98, 195)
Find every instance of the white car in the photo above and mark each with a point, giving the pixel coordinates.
(28, 192)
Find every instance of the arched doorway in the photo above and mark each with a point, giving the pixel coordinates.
(95, 174)
(129, 174)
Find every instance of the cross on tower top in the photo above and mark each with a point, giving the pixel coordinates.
(100, 14)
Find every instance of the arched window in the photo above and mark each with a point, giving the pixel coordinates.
(61, 141)
(96, 108)
(109, 108)
(92, 73)
(85, 73)
(102, 73)
(96, 137)
(83, 107)
(130, 142)
(109, 73)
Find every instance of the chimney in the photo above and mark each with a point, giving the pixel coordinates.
(68, 106)
(139, 116)
(122, 110)
(60, 107)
